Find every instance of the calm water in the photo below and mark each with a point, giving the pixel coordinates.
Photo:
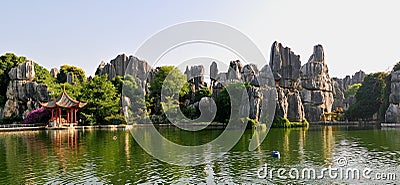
(97, 156)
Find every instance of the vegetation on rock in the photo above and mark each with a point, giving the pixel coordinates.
(7, 61)
(369, 97)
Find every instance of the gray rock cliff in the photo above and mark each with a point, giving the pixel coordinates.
(393, 112)
(317, 87)
(23, 94)
(285, 66)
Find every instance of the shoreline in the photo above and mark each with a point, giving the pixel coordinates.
(212, 126)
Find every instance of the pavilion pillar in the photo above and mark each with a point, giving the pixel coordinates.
(75, 110)
(52, 115)
(59, 116)
(73, 115)
(68, 116)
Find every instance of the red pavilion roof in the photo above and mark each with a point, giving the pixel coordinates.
(64, 101)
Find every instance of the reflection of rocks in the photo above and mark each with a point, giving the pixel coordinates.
(317, 93)
(22, 92)
(285, 66)
(393, 111)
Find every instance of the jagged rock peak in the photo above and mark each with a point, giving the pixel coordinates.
(234, 71)
(213, 71)
(118, 66)
(318, 54)
(317, 90)
(195, 75)
(285, 66)
(24, 71)
(54, 72)
(393, 112)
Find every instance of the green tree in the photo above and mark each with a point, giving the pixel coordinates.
(160, 83)
(223, 100)
(101, 99)
(42, 75)
(78, 74)
(369, 97)
(118, 81)
(352, 91)
(7, 61)
(203, 92)
(136, 107)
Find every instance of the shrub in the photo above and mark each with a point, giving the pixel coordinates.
(15, 118)
(285, 123)
(251, 123)
(40, 115)
(115, 119)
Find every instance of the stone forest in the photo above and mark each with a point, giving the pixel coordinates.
(306, 93)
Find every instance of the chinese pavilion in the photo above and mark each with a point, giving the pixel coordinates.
(63, 103)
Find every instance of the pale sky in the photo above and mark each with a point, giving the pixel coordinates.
(355, 34)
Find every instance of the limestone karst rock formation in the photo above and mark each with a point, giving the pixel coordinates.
(195, 75)
(338, 95)
(258, 95)
(317, 96)
(116, 67)
(393, 112)
(234, 71)
(249, 73)
(122, 64)
(54, 72)
(22, 92)
(285, 66)
(340, 86)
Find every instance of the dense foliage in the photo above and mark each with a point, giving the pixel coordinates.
(78, 74)
(134, 100)
(223, 101)
(42, 75)
(285, 123)
(100, 96)
(104, 100)
(40, 115)
(352, 91)
(203, 92)
(369, 97)
(167, 86)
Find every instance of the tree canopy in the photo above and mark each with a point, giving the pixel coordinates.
(78, 74)
(352, 91)
(100, 96)
(369, 97)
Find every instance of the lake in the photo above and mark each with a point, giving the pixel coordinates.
(113, 156)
